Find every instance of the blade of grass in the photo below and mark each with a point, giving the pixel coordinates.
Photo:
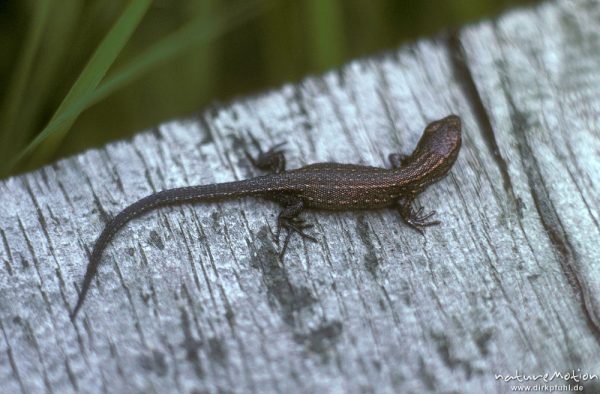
(279, 56)
(90, 77)
(13, 100)
(327, 25)
(193, 33)
(203, 59)
(64, 18)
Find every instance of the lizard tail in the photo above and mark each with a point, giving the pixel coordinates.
(203, 193)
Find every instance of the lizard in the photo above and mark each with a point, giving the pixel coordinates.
(322, 186)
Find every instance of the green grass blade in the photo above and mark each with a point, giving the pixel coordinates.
(65, 18)
(203, 58)
(326, 23)
(192, 34)
(13, 100)
(88, 80)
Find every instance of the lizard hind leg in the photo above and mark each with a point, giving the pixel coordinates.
(416, 219)
(272, 160)
(289, 220)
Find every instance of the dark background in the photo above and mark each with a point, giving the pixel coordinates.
(180, 56)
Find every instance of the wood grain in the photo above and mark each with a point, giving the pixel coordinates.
(193, 298)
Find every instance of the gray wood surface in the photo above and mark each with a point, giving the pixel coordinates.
(194, 299)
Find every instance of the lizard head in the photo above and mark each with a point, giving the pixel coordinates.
(441, 137)
(436, 151)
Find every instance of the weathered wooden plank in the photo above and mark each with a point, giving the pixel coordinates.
(194, 298)
(534, 86)
(542, 102)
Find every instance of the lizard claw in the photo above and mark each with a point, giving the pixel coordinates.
(416, 218)
(292, 225)
(272, 160)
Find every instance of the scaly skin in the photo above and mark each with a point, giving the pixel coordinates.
(326, 186)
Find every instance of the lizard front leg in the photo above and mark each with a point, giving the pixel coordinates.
(416, 219)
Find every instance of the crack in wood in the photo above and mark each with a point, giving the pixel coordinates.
(463, 75)
(551, 222)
